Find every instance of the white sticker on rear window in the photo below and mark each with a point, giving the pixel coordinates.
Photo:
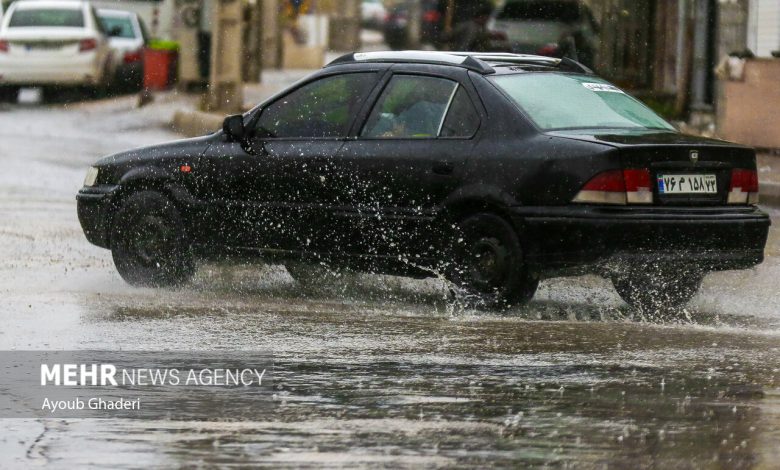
(602, 87)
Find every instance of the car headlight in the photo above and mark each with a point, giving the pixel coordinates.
(91, 178)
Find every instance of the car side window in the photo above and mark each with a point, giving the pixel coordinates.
(321, 109)
(462, 119)
(410, 107)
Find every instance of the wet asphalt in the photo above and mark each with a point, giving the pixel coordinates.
(374, 371)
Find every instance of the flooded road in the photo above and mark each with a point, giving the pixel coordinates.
(375, 371)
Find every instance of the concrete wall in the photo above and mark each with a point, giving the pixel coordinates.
(764, 27)
(748, 112)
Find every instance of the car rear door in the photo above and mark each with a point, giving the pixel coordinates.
(405, 158)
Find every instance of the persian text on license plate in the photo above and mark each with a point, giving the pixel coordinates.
(687, 184)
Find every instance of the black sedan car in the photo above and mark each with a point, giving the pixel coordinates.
(492, 171)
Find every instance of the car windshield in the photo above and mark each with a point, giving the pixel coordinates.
(122, 24)
(560, 101)
(50, 17)
(541, 10)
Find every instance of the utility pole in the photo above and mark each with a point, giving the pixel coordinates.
(415, 23)
(449, 15)
(253, 61)
(225, 90)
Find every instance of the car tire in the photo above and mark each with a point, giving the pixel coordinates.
(488, 267)
(149, 243)
(306, 274)
(9, 94)
(657, 291)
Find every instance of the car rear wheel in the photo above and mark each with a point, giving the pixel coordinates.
(9, 94)
(149, 243)
(488, 265)
(657, 290)
(307, 274)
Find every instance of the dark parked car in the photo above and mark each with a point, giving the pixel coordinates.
(555, 28)
(396, 24)
(128, 38)
(491, 170)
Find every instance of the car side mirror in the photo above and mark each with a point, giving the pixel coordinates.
(233, 127)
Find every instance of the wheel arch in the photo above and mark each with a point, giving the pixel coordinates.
(490, 199)
(150, 179)
(477, 198)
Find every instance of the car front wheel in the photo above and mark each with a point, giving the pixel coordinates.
(488, 265)
(657, 290)
(149, 243)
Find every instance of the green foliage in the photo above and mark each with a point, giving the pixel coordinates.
(163, 45)
(663, 105)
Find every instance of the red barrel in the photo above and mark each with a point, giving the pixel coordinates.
(159, 69)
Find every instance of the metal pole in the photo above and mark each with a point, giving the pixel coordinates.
(415, 24)
(449, 15)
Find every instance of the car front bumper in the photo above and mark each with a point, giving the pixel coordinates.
(95, 207)
(613, 238)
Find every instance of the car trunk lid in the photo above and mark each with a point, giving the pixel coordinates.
(26, 42)
(684, 170)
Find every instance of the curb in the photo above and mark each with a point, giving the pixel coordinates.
(769, 193)
(196, 123)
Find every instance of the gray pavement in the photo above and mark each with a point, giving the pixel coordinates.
(375, 371)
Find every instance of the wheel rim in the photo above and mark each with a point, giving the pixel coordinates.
(152, 242)
(488, 260)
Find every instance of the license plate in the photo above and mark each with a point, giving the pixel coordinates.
(687, 184)
(42, 46)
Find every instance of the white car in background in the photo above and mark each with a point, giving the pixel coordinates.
(52, 43)
(373, 13)
(127, 39)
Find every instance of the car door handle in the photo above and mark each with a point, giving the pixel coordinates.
(443, 168)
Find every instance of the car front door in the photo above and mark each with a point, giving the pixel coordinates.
(405, 159)
(275, 190)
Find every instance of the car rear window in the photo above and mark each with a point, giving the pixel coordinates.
(559, 101)
(48, 17)
(410, 107)
(123, 25)
(541, 10)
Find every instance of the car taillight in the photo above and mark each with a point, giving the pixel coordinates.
(639, 189)
(631, 186)
(743, 188)
(133, 56)
(4, 46)
(431, 16)
(550, 50)
(87, 45)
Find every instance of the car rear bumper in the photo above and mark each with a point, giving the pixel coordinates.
(82, 69)
(599, 238)
(95, 208)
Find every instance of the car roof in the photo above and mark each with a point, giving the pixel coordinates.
(485, 63)
(109, 12)
(33, 4)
